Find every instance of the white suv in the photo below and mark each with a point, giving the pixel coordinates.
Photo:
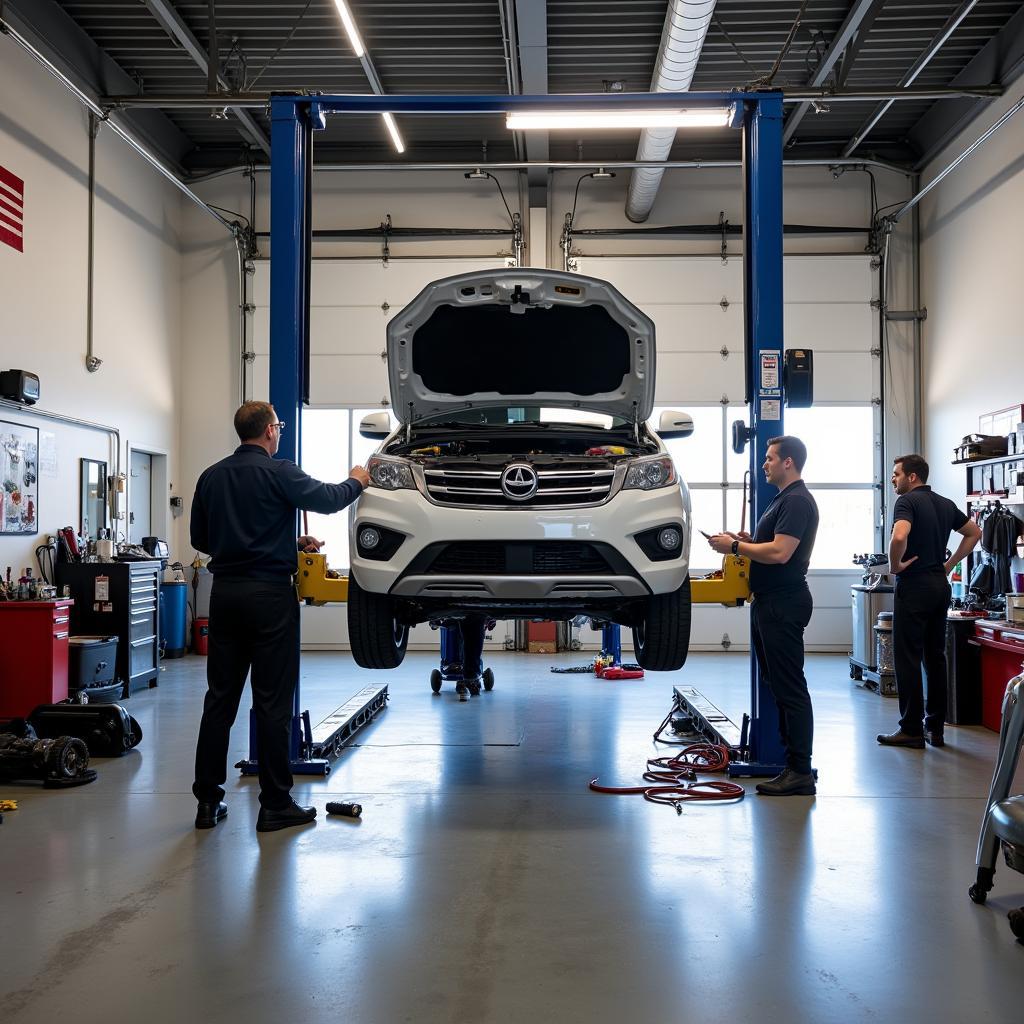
(523, 480)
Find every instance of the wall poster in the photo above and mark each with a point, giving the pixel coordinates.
(19, 487)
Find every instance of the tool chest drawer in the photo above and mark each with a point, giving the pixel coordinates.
(33, 655)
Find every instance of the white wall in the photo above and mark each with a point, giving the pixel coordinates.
(44, 140)
(972, 260)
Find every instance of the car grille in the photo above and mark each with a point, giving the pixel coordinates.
(557, 488)
(546, 558)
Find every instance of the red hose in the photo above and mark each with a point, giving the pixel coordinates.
(679, 774)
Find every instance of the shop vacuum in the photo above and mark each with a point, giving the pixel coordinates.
(1003, 824)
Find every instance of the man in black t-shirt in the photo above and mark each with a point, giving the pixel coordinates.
(781, 606)
(922, 523)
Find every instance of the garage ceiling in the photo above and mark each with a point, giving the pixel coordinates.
(120, 47)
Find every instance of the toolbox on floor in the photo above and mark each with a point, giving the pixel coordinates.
(92, 661)
(107, 729)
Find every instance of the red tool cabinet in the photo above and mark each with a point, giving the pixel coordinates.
(1002, 653)
(33, 654)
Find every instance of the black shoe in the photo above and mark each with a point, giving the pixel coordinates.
(271, 821)
(934, 737)
(899, 738)
(209, 813)
(460, 689)
(473, 685)
(788, 783)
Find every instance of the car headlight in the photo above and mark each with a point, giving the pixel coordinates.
(647, 474)
(391, 474)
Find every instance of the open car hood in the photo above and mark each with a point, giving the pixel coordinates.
(520, 337)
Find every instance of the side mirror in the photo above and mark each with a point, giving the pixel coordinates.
(673, 423)
(376, 426)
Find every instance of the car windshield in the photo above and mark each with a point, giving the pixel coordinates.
(545, 416)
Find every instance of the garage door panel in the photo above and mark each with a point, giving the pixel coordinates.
(695, 377)
(347, 380)
(833, 590)
(650, 281)
(696, 327)
(843, 377)
(711, 622)
(829, 327)
(368, 282)
(348, 329)
(827, 278)
(831, 628)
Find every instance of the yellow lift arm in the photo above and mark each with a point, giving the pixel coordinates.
(730, 586)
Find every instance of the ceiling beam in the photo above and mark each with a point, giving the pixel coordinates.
(54, 34)
(530, 43)
(858, 20)
(172, 23)
(938, 41)
(1000, 60)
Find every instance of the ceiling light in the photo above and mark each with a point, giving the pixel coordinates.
(392, 128)
(554, 120)
(350, 27)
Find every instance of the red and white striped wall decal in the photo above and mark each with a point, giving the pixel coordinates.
(12, 210)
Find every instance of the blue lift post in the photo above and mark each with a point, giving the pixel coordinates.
(295, 118)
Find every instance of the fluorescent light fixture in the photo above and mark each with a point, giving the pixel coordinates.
(555, 120)
(389, 121)
(350, 27)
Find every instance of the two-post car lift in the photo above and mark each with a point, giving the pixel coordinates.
(757, 115)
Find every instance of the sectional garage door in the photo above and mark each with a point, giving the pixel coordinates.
(697, 306)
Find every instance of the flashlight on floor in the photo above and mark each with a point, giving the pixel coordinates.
(345, 810)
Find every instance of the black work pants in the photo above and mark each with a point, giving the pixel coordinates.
(919, 637)
(472, 629)
(253, 625)
(777, 623)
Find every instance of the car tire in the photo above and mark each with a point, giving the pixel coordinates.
(661, 641)
(377, 639)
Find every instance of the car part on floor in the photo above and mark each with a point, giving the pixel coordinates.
(1003, 824)
(345, 810)
(60, 763)
(106, 729)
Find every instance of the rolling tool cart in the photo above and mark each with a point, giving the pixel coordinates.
(1003, 824)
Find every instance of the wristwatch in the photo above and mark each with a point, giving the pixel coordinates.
(735, 547)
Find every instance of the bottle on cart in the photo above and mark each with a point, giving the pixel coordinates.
(23, 586)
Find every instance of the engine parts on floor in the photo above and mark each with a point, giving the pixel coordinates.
(676, 778)
(60, 762)
(1003, 823)
(106, 729)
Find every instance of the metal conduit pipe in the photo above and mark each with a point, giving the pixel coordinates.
(74, 421)
(122, 133)
(562, 165)
(686, 25)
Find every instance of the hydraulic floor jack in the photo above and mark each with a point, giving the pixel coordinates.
(1003, 824)
(313, 747)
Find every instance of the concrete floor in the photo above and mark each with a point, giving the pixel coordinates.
(486, 883)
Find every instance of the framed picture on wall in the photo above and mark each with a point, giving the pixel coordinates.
(19, 485)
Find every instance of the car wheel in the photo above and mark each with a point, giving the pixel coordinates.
(661, 640)
(378, 639)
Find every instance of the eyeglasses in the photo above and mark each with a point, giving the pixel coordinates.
(280, 424)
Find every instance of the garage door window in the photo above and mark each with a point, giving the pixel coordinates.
(841, 472)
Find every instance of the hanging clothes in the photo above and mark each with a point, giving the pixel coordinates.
(999, 532)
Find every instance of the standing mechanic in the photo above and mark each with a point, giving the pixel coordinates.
(922, 523)
(243, 515)
(781, 605)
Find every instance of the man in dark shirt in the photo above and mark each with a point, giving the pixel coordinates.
(922, 523)
(243, 515)
(781, 605)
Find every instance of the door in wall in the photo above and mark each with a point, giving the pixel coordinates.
(140, 497)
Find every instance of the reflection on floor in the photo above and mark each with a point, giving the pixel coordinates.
(485, 883)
